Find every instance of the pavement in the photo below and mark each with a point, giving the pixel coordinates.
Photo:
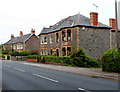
(92, 72)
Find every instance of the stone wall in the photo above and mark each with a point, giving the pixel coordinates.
(18, 58)
(95, 41)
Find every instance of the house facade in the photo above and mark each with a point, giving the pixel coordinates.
(23, 42)
(76, 31)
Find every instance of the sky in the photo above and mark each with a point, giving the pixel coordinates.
(22, 15)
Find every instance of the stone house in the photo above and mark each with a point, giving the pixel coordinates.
(23, 42)
(76, 31)
(113, 37)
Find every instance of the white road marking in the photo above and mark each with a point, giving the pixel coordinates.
(83, 89)
(6, 65)
(19, 69)
(45, 77)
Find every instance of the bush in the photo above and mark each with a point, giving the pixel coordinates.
(111, 60)
(32, 56)
(15, 54)
(93, 63)
(24, 53)
(55, 59)
(80, 59)
(5, 52)
(77, 58)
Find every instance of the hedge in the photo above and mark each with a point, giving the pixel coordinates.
(49, 58)
(76, 61)
(111, 60)
(78, 58)
(24, 53)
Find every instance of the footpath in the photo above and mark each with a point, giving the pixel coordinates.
(92, 72)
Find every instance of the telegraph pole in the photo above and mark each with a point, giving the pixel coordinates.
(116, 22)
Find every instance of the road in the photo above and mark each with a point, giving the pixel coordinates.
(17, 76)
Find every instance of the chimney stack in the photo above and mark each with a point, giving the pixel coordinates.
(94, 18)
(32, 31)
(112, 23)
(12, 36)
(21, 33)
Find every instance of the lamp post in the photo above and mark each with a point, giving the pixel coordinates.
(116, 28)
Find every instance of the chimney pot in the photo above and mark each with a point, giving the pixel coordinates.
(12, 36)
(112, 23)
(21, 33)
(32, 31)
(94, 18)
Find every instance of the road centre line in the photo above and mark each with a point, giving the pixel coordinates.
(6, 65)
(83, 89)
(45, 77)
(19, 69)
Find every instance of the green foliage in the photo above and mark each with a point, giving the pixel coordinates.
(78, 58)
(24, 53)
(111, 60)
(5, 52)
(15, 54)
(77, 52)
(2, 56)
(0, 46)
(50, 59)
(55, 59)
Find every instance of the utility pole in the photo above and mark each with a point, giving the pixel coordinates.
(116, 22)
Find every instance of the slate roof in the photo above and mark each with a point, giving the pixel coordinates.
(18, 39)
(70, 21)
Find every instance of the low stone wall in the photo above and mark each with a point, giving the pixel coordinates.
(18, 58)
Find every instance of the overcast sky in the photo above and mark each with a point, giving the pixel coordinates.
(22, 15)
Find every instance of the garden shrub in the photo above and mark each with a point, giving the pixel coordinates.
(24, 53)
(78, 58)
(111, 60)
(5, 52)
(15, 54)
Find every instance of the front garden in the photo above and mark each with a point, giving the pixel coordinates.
(110, 60)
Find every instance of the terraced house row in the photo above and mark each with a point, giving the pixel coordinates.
(77, 31)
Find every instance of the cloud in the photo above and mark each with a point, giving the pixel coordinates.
(17, 15)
